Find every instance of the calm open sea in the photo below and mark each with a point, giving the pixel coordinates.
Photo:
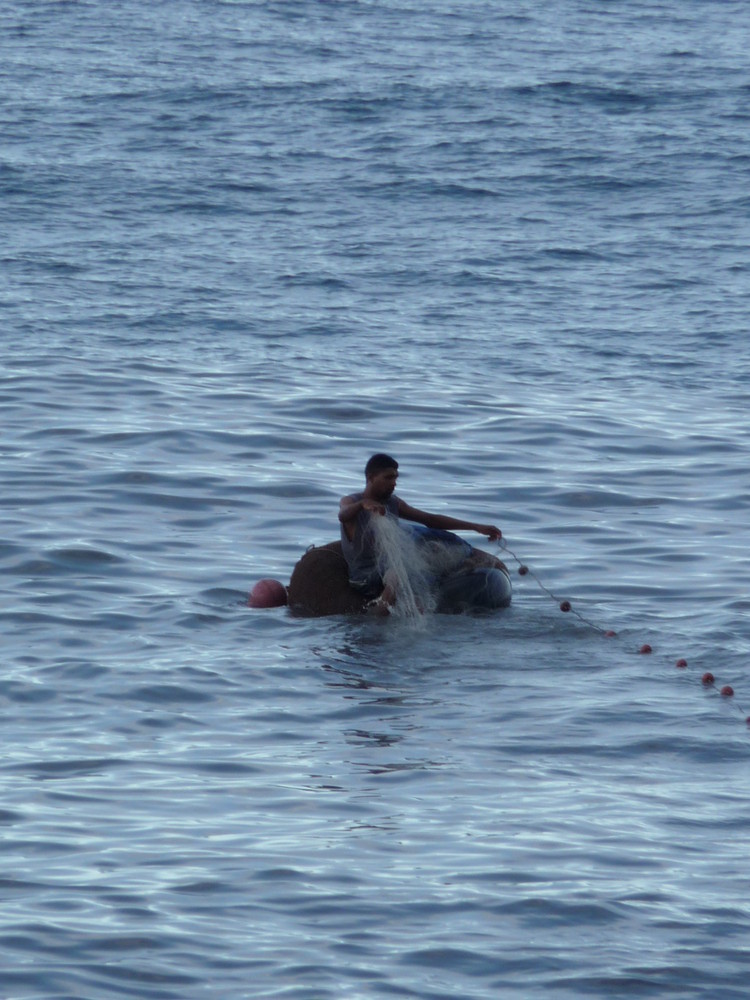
(244, 246)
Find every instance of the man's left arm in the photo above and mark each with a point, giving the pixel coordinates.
(445, 521)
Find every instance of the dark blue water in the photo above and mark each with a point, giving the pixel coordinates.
(245, 245)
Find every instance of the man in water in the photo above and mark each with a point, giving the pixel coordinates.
(378, 498)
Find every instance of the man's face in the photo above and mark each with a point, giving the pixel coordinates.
(383, 483)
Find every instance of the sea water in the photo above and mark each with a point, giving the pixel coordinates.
(244, 246)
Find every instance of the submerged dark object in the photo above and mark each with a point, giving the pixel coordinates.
(320, 585)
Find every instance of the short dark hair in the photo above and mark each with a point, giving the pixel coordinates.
(378, 463)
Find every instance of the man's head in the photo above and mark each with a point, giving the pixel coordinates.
(379, 462)
(381, 473)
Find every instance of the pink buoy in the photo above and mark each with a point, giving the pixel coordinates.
(267, 594)
(681, 663)
(708, 679)
(727, 691)
(645, 649)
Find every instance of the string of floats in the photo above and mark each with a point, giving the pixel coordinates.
(708, 680)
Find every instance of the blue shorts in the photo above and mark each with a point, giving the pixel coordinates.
(424, 534)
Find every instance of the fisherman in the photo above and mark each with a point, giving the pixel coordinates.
(367, 574)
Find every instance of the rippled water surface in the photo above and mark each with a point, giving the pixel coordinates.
(245, 246)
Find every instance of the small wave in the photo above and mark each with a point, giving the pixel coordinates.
(169, 694)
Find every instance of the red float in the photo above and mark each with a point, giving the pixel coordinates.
(267, 594)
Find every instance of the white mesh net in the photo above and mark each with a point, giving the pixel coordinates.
(406, 567)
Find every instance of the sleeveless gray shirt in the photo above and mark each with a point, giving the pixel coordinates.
(360, 554)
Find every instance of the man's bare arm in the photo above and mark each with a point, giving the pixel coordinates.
(446, 522)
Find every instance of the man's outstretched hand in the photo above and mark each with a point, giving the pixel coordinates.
(494, 534)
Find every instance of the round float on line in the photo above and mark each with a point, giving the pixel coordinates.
(267, 594)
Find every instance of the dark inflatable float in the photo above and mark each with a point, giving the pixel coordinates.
(319, 586)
